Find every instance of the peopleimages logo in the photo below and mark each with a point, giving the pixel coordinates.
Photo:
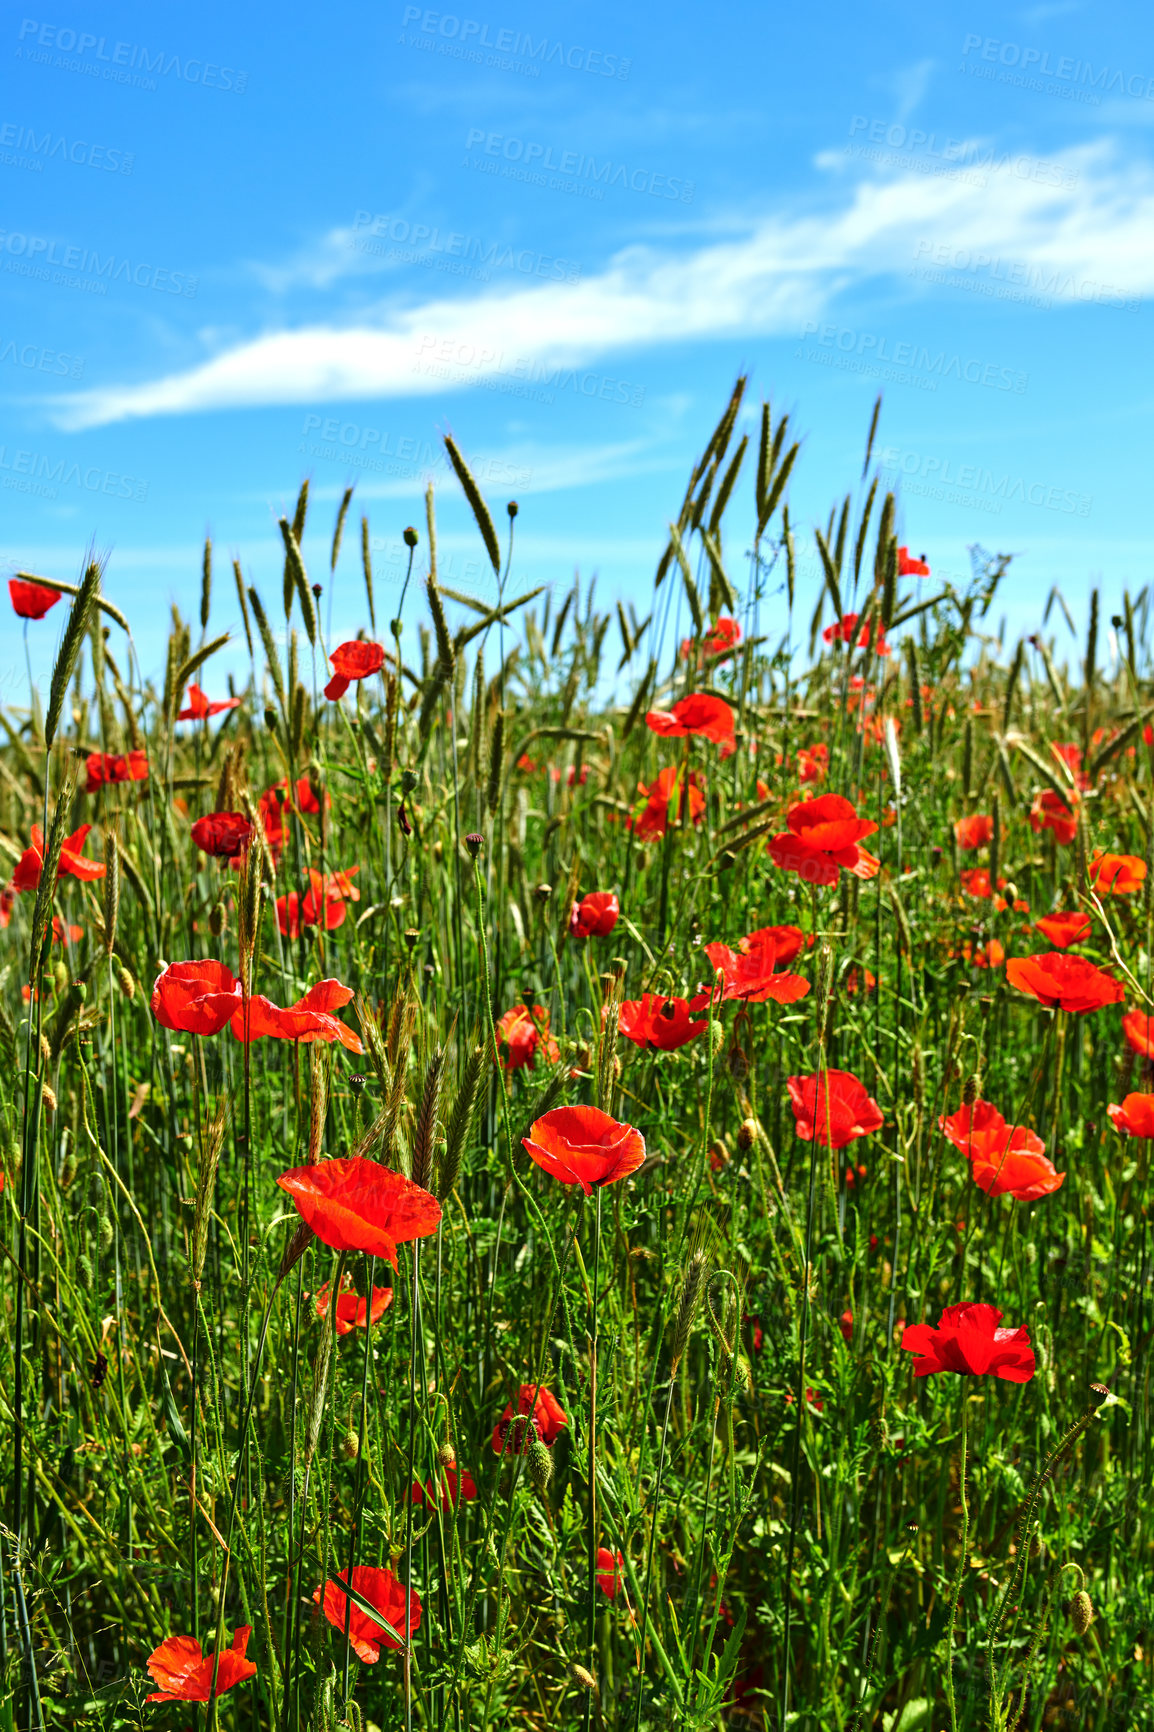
(49, 146)
(1044, 281)
(961, 152)
(472, 34)
(873, 346)
(124, 63)
(519, 375)
(50, 261)
(536, 160)
(974, 485)
(37, 359)
(1034, 65)
(34, 472)
(415, 241)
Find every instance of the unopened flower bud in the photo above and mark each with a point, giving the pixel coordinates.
(474, 843)
(970, 1092)
(539, 1466)
(270, 718)
(216, 920)
(60, 976)
(543, 892)
(410, 537)
(49, 1097)
(350, 1446)
(586, 1679)
(1081, 1612)
(127, 984)
(747, 1133)
(104, 1234)
(447, 1455)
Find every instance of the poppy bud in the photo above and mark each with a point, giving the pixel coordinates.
(60, 975)
(1081, 1612)
(543, 892)
(84, 1270)
(970, 1092)
(127, 984)
(357, 1084)
(411, 937)
(1011, 894)
(216, 920)
(474, 843)
(270, 718)
(49, 1097)
(104, 1235)
(350, 1446)
(317, 590)
(396, 626)
(747, 1133)
(586, 1679)
(539, 1466)
(447, 1455)
(411, 537)
(737, 1062)
(716, 1035)
(408, 783)
(438, 850)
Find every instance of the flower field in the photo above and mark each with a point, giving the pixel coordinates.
(571, 1169)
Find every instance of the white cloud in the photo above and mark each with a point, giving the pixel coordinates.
(764, 281)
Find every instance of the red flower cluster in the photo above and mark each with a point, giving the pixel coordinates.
(353, 661)
(844, 630)
(699, 713)
(584, 1146)
(106, 768)
(1007, 1160)
(522, 1033)
(31, 600)
(72, 862)
(399, 1608)
(662, 799)
(1063, 982)
(836, 1115)
(724, 636)
(664, 1023)
(197, 707)
(1049, 813)
(538, 1411)
(353, 1204)
(352, 1310)
(824, 836)
(183, 1672)
(595, 915)
(968, 1341)
(974, 831)
(330, 891)
(454, 1487)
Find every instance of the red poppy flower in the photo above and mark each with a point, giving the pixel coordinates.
(665, 1023)
(332, 892)
(288, 914)
(353, 661)
(823, 836)
(1065, 982)
(105, 768)
(785, 941)
(609, 1568)
(1135, 1116)
(353, 1204)
(968, 1340)
(576, 778)
(1118, 873)
(854, 982)
(974, 831)
(222, 834)
(399, 1608)
(72, 861)
(751, 975)
(197, 706)
(31, 600)
(844, 630)
(595, 915)
(662, 798)
(310, 1019)
(1007, 1161)
(842, 1112)
(725, 635)
(699, 713)
(352, 1309)
(7, 898)
(195, 997)
(812, 763)
(541, 1413)
(976, 882)
(991, 955)
(1064, 929)
(1071, 756)
(454, 1487)
(1139, 1031)
(908, 566)
(522, 1032)
(845, 1324)
(66, 934)
(183, 1671)
(1049, 813)
(584, 1146)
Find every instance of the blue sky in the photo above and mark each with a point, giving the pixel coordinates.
(240, 247)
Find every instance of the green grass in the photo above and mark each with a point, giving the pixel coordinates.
(787, 1560)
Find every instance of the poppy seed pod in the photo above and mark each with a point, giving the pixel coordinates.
(539, 1466)
(410, 537)
(512, 508)
(474, 843)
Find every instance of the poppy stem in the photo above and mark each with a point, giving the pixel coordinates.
(592, 1633)
(956, 1587)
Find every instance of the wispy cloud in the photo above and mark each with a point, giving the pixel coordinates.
(763, 280)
